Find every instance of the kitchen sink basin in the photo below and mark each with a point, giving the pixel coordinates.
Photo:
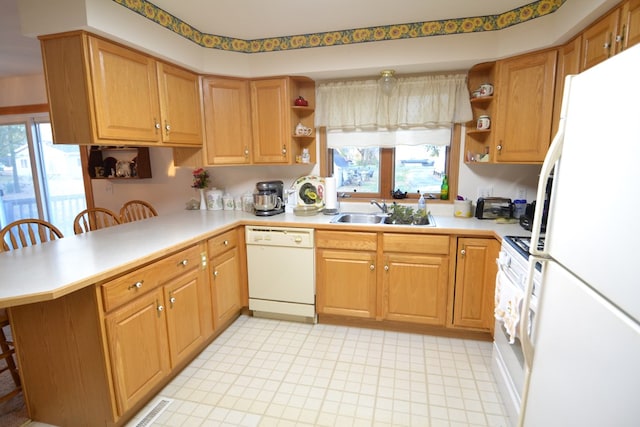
(359, 218)
(373, 218)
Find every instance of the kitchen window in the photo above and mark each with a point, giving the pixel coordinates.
(367, 172)
(406, 139)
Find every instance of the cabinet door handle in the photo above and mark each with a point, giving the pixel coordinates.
(172, 301)
(215, 274)
(136, 285)
(226, 243)
(246, 152)
(386, 268)
(160, 308)
(372, 267)
(167, 127)
(499, 148)
(284, 150)
(183, 263)
(156, 124)
(463, 252)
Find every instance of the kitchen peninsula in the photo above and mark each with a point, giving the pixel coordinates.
(89, 330)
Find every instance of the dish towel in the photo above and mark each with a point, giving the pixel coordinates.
(508, 300)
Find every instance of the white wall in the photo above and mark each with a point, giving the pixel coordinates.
(22, 90)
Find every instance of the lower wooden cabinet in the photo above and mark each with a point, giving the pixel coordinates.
(138, 348)
(346, 273)
(346, 283)
(226, 281)
(475, 283)
(415, 278)
(150, 334)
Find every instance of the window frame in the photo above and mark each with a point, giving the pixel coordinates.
(387, 169)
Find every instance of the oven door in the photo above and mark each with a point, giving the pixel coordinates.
(508, 359)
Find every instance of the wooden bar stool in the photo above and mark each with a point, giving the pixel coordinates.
(135, 210)
(7, 351)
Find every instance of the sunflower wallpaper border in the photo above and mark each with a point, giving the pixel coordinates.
(475, 24)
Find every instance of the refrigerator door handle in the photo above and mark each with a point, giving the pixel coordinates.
(550, 160)
(525, 327)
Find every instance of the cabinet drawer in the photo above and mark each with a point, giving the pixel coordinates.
(135, 283)
(347, 240)
(414, 243)
(222, 243)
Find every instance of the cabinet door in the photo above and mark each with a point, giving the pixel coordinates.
(225, 270)
(475, 283)
(138, 348)
(568, 63)
(180, 106)
(415, 288)
(346, 283)
(598, 39)
(630, 24)
(227, 118)
(525, 105)
(270, 121)
(186, 319)
(125, 93)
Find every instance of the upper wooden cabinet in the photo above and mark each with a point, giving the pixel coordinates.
(253, 121)
(569, 57)
(611, 34)
(227, 119)
(520, 109)
(102, 93)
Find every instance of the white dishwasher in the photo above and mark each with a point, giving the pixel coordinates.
(281, 268)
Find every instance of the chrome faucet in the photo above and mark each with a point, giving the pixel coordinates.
(383, 208)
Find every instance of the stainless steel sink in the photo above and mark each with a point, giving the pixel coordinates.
(359, 218)
(373, 218)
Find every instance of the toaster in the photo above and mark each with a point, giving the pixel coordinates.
(494, 207)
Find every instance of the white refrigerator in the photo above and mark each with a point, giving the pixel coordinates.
(583, 356)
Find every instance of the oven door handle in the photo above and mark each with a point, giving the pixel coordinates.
(525, 327)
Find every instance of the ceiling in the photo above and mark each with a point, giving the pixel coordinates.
(255, 19)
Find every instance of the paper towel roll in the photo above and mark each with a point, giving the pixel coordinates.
(330, 194)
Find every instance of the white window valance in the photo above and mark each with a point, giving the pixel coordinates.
(433, 101)
(388, 139)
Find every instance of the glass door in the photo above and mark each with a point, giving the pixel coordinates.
(37, 178)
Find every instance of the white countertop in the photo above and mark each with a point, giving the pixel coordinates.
(53, 269)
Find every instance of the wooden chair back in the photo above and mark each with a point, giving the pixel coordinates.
(27, 232)
(94, 219)
(135, 210)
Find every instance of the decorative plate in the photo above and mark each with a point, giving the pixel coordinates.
(310, 190)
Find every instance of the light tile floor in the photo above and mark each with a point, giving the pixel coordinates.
(263, 372)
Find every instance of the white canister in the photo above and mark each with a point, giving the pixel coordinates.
(227, 202)
(462, 208)
(214, 200)
(484, 122)
(237, 203)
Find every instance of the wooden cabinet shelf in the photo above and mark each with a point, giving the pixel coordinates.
(103, 162)
(481, 99)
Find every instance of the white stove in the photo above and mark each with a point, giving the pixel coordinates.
(508, 360)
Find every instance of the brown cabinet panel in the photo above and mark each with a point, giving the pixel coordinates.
(227, 111)
(525, 104)
(598, 40)
(125, 93)
(225, 282)
(270, 121)
(475, 283)
(346, 283)
(137, 336)
(180, 105)
(415, 288)
(629, 24)
(569, 57)
(186, 319)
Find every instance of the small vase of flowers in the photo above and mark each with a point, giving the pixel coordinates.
(201, 182)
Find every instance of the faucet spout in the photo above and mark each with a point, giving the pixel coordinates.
(382, 207)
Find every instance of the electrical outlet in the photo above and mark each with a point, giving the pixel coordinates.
(485, 192)
(108, 187)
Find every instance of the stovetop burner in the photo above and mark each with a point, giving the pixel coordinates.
(523, 244)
